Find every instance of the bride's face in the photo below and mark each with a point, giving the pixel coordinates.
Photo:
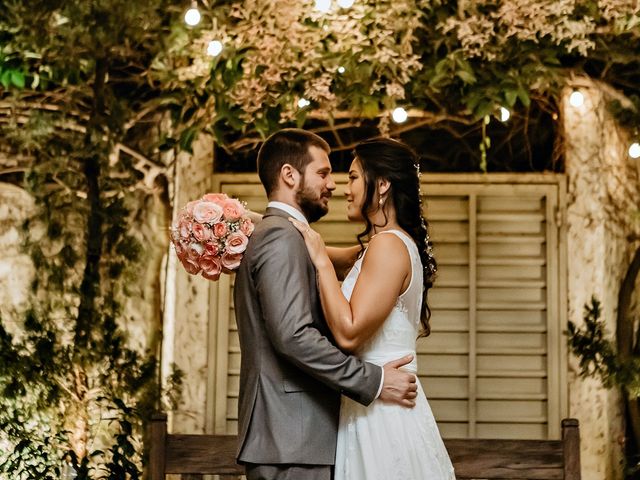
(355, 191)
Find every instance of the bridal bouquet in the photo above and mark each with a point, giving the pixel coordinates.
(210, 235)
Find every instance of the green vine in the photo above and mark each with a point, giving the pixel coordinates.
(598, 354)
(605, 358)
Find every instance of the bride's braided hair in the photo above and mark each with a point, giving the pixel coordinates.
(384, 158)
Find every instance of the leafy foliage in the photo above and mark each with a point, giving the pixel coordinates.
(598, 354)
(455, 61)
(75, 391)
(72, 387)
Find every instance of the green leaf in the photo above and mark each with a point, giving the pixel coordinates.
(467, 77)
(370, 108)
(186, 139)
(17, 78)
(510, 97)
(5, 78)
(301, 118)
(484, 108)
(523, 95)
(464, 71)
(443, 66)
(472, 100)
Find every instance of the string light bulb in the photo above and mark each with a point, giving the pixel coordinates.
(576, 99)
(192, 16)
(634, 150)
(214, 48)
(341, 69)
(346, 3)
(303, 102)
(323, 5)
(399, 115)
(505, 114)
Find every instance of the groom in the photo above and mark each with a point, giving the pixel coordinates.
(292, 374)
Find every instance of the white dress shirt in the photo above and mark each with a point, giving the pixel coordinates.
(291, 210)
(298, 215)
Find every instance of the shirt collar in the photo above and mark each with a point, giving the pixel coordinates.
(293, 211)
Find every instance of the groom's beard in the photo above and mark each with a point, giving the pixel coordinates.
(311, 204)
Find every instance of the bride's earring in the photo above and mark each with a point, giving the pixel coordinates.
(381, 201)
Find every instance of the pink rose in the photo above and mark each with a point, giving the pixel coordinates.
(195, 251)
(211, 248)
(211, 267)
(236, 242)
(213, 278)
(190, 266)
(247, 227)
(180, 250)
(220, 229)
(200, 232)
(175, 234)
(231, 261)
(207, 212)
(190, 206)
(233, 209)
(217, 198)
(184, 245)
(184, 228)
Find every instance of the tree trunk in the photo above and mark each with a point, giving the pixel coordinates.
(90, 286)
(624, 337)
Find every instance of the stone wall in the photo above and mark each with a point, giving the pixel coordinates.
(603, 193)
(16, 269)
(142, 318)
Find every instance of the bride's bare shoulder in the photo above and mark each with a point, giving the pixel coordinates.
(387, 247)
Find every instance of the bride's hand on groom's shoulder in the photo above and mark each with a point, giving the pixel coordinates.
(399, 387)
(315, 244)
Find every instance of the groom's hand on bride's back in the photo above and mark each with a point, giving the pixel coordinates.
(399, 387)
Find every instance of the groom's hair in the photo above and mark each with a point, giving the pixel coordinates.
(290, 145)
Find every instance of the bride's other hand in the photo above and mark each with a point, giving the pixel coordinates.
(314, 243)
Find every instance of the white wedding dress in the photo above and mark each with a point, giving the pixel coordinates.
(384, 441)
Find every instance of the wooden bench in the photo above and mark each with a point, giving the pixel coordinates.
(195, 455)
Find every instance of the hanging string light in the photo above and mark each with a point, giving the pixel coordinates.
(323, 5)
(214, 48)
(303, 102)
(505, 114)
(192, 16)
(634, 150)
(346, 3)
(399, 115)
(576, 99)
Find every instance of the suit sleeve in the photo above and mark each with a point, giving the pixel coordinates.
(281, 279)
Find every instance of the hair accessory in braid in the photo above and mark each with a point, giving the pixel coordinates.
(430, 268)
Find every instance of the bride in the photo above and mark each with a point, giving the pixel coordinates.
(379, 311)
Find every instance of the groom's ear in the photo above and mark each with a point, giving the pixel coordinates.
(289, 175)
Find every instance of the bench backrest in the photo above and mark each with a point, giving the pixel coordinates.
(472, 458)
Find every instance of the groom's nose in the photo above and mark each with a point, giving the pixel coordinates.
(331, 185)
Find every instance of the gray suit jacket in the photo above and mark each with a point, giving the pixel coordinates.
(291, 374)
